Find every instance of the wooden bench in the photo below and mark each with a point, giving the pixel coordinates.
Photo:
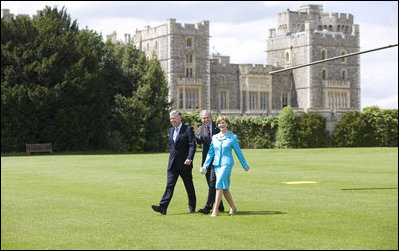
(44, 147)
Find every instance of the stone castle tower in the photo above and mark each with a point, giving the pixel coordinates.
(183, 52)
(310, 35)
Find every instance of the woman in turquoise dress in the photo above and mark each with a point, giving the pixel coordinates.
(220, 155)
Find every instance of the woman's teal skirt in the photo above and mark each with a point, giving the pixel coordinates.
(223, 174)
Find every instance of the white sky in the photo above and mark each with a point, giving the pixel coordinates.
(240, 29)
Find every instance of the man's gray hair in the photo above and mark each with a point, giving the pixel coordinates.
(176, 112)
(206, 112)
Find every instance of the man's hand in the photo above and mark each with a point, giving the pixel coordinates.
(196, 129)
(187, 162)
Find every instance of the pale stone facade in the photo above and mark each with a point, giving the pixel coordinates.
(183, 52)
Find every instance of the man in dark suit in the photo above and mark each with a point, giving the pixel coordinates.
(204, 137)
(182, 150)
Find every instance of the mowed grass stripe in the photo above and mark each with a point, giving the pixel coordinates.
(104, 202)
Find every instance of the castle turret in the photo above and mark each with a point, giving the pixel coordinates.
(309, 35)
(183, 51)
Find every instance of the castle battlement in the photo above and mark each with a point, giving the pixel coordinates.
(254, 69)
(337, 18)
(202, 27)
(342, 17)
(293, 21)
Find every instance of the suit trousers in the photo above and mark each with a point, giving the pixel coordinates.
(185, 172)
(211, 180)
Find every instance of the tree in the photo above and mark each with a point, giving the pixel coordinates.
(140, 118)
(52, 73)
(287, 127)
(353, 131)
(152, 94)
(384, 125)
(311, 131)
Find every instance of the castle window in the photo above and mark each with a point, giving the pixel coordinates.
(323, 54)
(284, 99)
(189, 58)
(287, 57)
(343, 53)
(190, 42)
(324, 74)
(189, 98)
(263, 100)
(253, 100)
(338, 99)
(189, 72)
(344, 74)
(224, 97)
(181, 99)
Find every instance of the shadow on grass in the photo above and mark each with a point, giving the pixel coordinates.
(258, 212)
(368, 188)
(238, 213)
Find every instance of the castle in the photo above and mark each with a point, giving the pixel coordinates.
(200, 80)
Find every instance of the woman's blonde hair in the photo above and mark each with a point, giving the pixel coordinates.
(222, 117)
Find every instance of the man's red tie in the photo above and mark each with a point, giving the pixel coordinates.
(209, 133)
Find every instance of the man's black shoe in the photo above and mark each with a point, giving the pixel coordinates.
(158, 209)
(204, 210)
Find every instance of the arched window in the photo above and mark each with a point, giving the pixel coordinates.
(323, 54)
(324, 74)
(344, 74)
(287, 57)
(189, 42)
(343, 52)
(189, 58)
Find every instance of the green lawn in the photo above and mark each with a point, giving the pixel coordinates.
(104, 202)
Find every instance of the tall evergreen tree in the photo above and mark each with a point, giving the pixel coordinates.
(152, 93)
(55, 70)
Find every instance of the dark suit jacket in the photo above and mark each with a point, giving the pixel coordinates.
(204, 139)
(183, 149)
